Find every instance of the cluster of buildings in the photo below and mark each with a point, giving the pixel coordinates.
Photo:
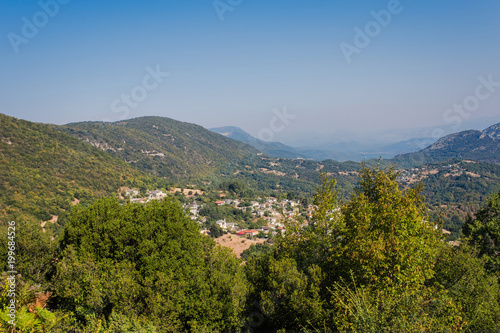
(133, 194)
(269, 209)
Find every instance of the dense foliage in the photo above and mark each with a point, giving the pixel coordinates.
(483, 231)
(147, 261)
(371, 264)
(256, 250)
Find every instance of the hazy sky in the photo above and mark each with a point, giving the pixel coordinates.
(332, 66)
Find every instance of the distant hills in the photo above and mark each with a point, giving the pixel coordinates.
(275, 149)
(339, 151)
(482, 146)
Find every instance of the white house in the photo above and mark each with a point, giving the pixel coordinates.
(222, 224)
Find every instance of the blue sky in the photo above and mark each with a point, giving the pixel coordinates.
(264, 55)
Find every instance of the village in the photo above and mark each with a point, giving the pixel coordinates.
(267, 214)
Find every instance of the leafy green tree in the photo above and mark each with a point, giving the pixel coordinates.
(362, 265)
(462, 274)
(386, 252)
(215, 230)
(361, 309)
(387, 240)
(147, 261)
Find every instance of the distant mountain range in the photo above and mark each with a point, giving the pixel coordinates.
(339, 151)
(275, 149)
(482, 146)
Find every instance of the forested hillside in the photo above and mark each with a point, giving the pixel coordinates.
(163, 147)
(44, 172)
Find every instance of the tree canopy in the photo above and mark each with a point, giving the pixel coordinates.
(483, 231)
(147, 261)
(360, 265)
(375, 262)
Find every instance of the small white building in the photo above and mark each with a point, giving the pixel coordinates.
(222, 224)
(156, 195)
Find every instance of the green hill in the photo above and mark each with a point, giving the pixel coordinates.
(163, 147)
(44, 171)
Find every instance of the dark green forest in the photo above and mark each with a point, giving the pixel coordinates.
(375, 262)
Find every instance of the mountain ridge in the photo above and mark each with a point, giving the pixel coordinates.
(475, 145)
(339, 151)
(163, 146)
(276, 149)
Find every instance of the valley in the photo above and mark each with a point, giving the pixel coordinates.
(83, 161)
